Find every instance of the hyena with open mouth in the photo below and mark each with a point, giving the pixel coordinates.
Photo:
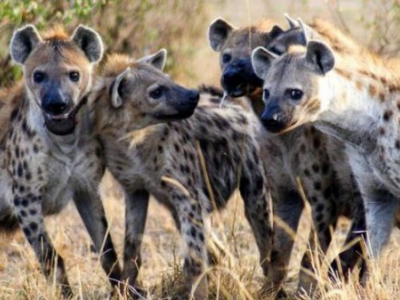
(51, 154)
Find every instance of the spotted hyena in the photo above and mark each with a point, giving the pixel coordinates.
(305, 153)
(354, 98)
(51, 154)
(192, 165)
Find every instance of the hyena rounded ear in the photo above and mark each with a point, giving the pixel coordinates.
(117, 87)
(157, 59)
(23, 42)
(276, 31)
(261, 60)
(90, 42)
(291, 22)
(321, 56)
(218, 32)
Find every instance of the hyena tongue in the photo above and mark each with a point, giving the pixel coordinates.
(60, 126)
(63, 125)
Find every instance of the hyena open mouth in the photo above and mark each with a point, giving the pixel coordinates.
(63, 124)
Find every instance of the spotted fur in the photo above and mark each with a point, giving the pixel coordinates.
(305, 153)
(42, 171)
(165, 158)
(358, 103)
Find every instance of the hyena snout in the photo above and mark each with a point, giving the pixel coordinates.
(55, 103)
(189, 101)
(274, 119)
(185, 103)
(239, 78)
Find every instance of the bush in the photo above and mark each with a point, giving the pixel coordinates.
(133, 27)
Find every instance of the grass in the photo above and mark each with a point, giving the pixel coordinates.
(238, 276)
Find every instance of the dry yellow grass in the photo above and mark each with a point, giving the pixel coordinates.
(238, 276)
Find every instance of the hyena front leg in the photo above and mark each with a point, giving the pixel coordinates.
(90, 208)
(256, 197)
(324, 223)
(191, 222)
(135, 220)
(288, 207)
(28, 208)
(353, 256)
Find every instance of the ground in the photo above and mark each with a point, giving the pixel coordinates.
(238, 277)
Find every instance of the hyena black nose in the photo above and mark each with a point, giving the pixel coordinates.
(273, 119)
(232, 79)
(54, 103)
(194, 95)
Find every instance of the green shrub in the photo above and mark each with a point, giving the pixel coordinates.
(133, 27)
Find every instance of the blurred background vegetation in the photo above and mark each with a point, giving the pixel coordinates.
(139, 27)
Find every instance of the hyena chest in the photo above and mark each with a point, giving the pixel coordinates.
(66, 173)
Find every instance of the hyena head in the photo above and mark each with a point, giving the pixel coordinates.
(140, 94)
(297, 34)
(235, 47)
(57, 71)
(293, 84)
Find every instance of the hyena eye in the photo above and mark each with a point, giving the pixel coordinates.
(266, 94)
(157, 93)
(295, 94)
(226, 58)
(74, 76)
(39, 76)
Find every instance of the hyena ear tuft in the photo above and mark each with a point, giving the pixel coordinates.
(23, 42)
(291, 22)
(321, 56)
(90, 42)
(276, 31)
(261, 60)
(218, 32)
(157, 59)
(117, 87)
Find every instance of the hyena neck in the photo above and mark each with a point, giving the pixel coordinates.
(356, 105)
(149, 138)
(256, 102)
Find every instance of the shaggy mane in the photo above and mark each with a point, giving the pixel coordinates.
(115, 64)
(56, 33)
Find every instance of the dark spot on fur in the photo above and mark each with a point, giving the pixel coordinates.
(317, 143)
(14, 114)
(315, 168)
(327, 192)
(33, 226)
(35, 148)
(325, 168)
(20, 170)
(193, 232)
(387, 115)
(27, 231)
(317, 185)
